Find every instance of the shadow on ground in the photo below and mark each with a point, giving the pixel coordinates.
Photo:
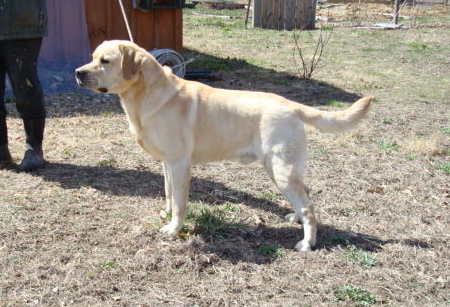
(243, 243)
(238, 74)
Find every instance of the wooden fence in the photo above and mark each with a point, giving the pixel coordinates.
(284, 14)
(77, 27)
(155, 29)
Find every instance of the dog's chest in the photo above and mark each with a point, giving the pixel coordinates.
(149, 145)
(145, 135)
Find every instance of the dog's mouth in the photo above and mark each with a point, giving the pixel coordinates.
(79, 82)
(88, 83)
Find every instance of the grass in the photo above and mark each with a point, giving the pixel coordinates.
(357, 295)
(385, 146)
(226, 64)
(212, 222)
(360, 256)
(334, 103)
(446, 168)
(108, 162)
(271, 251)
(85, 230)
(108, 265)
(418, 45)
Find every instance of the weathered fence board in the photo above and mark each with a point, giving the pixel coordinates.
(284, 14)
(155, 29)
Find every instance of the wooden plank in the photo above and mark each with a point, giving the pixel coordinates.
(178, 44)
(265, 13)
(270, 14)
(299, 15)
(144, 26)
(116, 24)
(312, 14)
(165, 29)
(307, 15)
(105, 21)
(276, 15)
(96, 19)
(282, 15)
(289, 9)
(257, 13)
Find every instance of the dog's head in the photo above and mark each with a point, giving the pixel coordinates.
(115, 66)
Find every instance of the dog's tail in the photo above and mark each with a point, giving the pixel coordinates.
(334, 122)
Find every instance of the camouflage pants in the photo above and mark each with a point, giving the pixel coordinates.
(18, 60)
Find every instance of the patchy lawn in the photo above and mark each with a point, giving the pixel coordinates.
(85, 230)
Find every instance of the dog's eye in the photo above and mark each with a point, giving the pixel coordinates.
(104, 61)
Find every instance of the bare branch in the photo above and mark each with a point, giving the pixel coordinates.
(307, 68)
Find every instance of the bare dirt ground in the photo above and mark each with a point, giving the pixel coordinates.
(85, 230)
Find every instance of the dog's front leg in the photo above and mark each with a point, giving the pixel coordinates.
(168, 191)
(178, 176)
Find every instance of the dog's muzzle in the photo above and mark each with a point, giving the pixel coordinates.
(85, 80)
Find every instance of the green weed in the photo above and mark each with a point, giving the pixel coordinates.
(357, 295)
(225, 64)
(418, 45)
(108, 265)
(446, 168)
(271, 251)
(327, 28)
(214, 222)
(270, 196)
(357, 255)
(335, 103)
(411, 157)
(445, 130)
(385, 146)
(107, 162)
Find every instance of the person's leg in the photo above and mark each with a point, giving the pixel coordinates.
(22, 72)
(5, 155)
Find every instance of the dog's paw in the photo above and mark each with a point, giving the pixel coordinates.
(163, 214)
(292, 218)
(303, 246)
(171, 229)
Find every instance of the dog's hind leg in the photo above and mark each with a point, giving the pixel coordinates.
(179, 176)
(289, 180)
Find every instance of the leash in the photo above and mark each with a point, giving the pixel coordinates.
(167, 57)
(127, 24)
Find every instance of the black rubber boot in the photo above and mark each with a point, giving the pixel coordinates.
(5, 155)
(34, 156)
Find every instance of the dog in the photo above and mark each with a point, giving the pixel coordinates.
(182, 123)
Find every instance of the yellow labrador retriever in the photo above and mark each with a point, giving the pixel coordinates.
(183, 122)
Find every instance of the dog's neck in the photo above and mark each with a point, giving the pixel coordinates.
(152, 81)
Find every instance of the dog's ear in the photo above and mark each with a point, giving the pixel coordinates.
(131, 61)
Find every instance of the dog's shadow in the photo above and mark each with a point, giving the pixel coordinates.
(255, 244)
(137, 182)
(260, 246)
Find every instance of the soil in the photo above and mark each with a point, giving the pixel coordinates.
(84, 231)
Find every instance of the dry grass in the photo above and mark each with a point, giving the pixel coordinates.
(85, 230)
